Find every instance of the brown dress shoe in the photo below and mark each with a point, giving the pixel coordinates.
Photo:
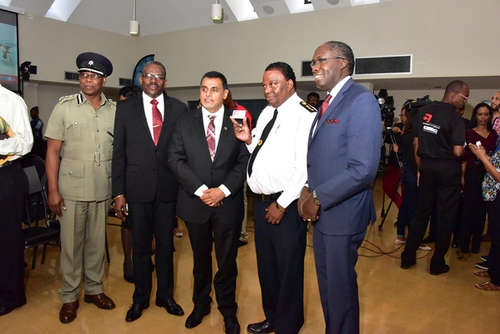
(100, 300)
(68, 312)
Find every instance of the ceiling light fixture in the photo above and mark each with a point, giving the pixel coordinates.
(133, 28)
(217, 13)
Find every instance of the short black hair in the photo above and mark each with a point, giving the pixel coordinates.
(34, 108)
(313, 94)
(215, 75)
(154, 62)
(455, 86)
(128, 91)
(473, 119)
(285, 69)
(345, 51)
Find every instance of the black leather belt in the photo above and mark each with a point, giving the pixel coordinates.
(270, 197)
(8, 163)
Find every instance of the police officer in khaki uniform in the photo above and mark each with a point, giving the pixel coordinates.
(78, 165)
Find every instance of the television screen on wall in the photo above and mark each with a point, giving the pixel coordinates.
(9, 52)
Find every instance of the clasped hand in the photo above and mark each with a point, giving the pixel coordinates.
(212, 197)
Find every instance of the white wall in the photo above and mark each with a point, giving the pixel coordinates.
(447, 38)
(53, 46)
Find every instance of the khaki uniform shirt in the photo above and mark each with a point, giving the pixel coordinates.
(85, 170)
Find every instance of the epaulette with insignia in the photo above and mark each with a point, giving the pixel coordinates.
(67, 98)
(307, 106)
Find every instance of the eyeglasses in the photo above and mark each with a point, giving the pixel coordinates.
(320, 61)
(151, 76)
(89, 75)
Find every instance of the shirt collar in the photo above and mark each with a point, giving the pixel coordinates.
(148, 98)
(82, 98)
(335, 90)
(217, 114)
(289, 102)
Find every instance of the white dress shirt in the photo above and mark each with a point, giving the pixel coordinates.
(14, 111)
(148, 110)
(335, 90)
(281, 164)
(219, 118)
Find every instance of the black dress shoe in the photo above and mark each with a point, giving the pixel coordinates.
(4, 309)
(231, 325)
(171, 306)
(407, 263)
(194, 319)
(135, 312)
(440, 270)
(260, 327)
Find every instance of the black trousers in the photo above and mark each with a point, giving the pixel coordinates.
(494, 227)
(439, 185)
(13, 187)
(280, 253)
(474, 210)
(148, 220)
(224, 232)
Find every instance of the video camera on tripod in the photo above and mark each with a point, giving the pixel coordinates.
(386, 104)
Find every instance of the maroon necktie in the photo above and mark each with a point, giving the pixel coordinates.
(324, 106)
(157, 121)
(211, 137)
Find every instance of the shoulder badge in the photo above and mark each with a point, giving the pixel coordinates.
(307, 106)
(67, 98)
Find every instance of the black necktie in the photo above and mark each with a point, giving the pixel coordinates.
(263, 137)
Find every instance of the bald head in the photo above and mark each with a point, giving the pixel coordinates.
(495, 102)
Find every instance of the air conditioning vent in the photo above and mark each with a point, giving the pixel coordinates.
(73, 76)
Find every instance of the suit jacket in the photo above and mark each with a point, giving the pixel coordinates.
(189, 159)
(343, 157)
(139, 168)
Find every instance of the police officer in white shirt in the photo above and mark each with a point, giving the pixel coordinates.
(276, 173)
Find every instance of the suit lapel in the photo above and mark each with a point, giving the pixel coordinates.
(165, 127)
(200, 135)
(224, 134)
(332, 108)
(142, 117)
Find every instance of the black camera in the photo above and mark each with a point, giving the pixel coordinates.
(386, 104)
(412, 105)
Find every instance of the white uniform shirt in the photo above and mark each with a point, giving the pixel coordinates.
(14, 111)
(281, 164)
(148, 110)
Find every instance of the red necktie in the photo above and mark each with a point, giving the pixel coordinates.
(157, 121)
(211, 137)
(324, 106)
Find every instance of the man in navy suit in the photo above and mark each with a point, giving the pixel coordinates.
(210, 164)
(342, 160)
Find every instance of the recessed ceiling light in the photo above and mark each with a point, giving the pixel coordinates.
(62, 9)
(333, 2)
(363, 2)
(242, 9)
(295, 6)
(5, 3)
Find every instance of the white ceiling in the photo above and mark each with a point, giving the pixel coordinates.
(158, 16)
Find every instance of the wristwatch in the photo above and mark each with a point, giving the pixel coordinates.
(315, 197)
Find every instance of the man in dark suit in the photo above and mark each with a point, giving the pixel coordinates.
(141, 179)
(210, 166)
(342, 161)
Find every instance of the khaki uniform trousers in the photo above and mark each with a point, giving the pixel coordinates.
(83, 238)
